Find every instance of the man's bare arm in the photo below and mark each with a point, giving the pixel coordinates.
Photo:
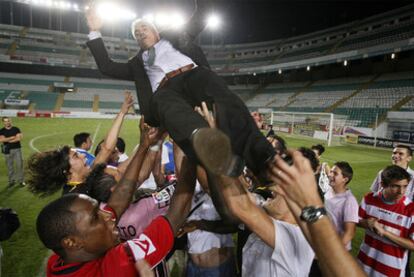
(298, 184)
(181, 200)
(111, 138)
(124, 190)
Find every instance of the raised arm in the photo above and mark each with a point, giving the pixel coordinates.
(298, 185)
(241, 205)
(181, 200)
(122, 195)
(111, 138)
(105, 64)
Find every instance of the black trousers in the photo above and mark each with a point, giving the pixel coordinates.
(173, 108)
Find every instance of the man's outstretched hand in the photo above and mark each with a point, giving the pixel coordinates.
(93, 20)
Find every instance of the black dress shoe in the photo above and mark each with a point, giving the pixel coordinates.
(213, 150)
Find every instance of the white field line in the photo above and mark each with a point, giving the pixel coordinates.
(95, 134)
(32, 141)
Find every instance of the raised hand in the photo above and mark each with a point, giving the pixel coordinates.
(206, 114)
(297, 181)
(128, 102)
(93, 20)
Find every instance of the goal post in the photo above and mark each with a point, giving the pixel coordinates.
(323, 126)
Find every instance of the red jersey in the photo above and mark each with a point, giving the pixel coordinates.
(378, 255)
(152, 245)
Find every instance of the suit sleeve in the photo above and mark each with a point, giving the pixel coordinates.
(105, 64)
(196, 24)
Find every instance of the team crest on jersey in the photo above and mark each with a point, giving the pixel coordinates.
(142, 247)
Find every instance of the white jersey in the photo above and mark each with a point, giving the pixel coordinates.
(201, 241)
(292, 255)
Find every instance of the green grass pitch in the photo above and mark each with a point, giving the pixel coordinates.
(24, 254)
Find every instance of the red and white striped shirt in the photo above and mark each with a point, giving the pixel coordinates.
(378, 255)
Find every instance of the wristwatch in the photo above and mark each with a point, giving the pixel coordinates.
(311, 214)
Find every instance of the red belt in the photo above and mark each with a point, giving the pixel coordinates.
(174, 73)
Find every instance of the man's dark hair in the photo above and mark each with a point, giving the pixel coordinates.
(281, 144)
(319, 148)
(98, 148)
(99, 183)
(120, 144)
(48, 171)
(409, 150)
(56, 221)
(80, 138)
(394, 173)
(346, 170)
(311, 156)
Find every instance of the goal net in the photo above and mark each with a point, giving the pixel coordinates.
(323, 126)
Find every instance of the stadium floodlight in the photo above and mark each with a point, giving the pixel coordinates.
(75, 7)
(177, 20)
(345, 62)
(162, 19)
(111, 12)
(213, 22)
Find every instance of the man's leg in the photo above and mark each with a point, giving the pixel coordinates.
(10, 169)
(233, 117)
(18, 159)
(174, 113)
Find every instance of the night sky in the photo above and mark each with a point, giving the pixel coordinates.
(243, 20)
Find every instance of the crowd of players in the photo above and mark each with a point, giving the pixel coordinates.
(123, 217)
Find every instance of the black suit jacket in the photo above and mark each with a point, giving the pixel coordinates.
(133, 70)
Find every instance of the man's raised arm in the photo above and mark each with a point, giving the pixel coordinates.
(105, 64)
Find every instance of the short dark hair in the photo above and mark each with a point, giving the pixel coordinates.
(56, 221)
(120, 144)
(319, 148)
(394, 173)
(346, 170)
(281, 143)
(409, 150)
(4, 117)
(80, 138)
(311, 156)
(98, 148)
(99, 183)
(48, 171)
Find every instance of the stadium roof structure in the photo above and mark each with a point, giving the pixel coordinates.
(244, 21)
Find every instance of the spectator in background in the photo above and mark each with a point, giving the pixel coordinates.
(83, 144)
(323, 169)
(341, 204)
(271, 132)
(401, 156)
(11, 136)
(120, 145)
(387, 217)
